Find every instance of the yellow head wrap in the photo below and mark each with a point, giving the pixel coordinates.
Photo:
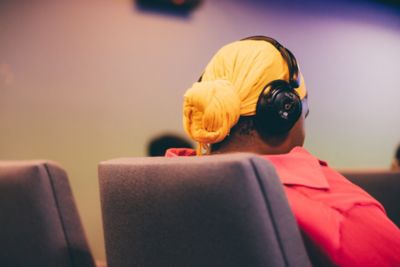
(230, 87)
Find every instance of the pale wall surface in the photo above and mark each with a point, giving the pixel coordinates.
(85, 81)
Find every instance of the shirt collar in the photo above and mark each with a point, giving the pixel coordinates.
(298, 167)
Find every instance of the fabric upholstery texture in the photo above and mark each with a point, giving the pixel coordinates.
(227, 210)
(383, 185)
(39, 222)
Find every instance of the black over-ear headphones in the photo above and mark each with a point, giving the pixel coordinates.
(279, 105)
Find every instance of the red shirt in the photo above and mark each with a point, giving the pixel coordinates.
(349, 225)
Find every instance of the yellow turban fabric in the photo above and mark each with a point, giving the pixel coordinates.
(230, 87)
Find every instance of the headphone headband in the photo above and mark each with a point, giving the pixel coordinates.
(294, 77)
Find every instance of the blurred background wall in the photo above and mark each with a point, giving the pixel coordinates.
(85, 81)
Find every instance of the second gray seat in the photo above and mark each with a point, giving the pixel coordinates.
(226, 210)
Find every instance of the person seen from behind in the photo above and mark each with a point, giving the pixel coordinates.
(252, 98)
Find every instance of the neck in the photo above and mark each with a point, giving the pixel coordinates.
(252, 144)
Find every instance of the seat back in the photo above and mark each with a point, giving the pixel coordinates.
(383, 185)
(226, 210)
(39, 222)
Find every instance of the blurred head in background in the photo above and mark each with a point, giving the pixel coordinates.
(396, 160)
(251, 98)
(158, 145)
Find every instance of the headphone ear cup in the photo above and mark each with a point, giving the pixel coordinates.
(278, 108)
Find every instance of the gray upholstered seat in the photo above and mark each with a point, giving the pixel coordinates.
(226, 210)
(39, 222)
(384, 185)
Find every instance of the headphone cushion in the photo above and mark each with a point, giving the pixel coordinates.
(278, 108)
